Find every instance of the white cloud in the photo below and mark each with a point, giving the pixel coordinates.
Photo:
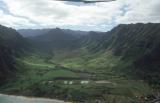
(143, 11)
(50, 13)
(12, 21)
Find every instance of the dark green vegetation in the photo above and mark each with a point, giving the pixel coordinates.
(12, 39)
(11, 44)
(6, 63)
(119, 66)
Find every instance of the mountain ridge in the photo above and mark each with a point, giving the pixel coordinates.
(36, 32)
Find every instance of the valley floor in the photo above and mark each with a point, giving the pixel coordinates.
(86, 79)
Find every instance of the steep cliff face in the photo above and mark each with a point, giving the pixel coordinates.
(148, 65)
(139, 43)
(134, 40)
(11, 44)
(6, 64)
(12, 39)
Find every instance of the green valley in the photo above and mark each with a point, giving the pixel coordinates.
(119, 66)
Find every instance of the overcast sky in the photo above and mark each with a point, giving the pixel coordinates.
(99, 16)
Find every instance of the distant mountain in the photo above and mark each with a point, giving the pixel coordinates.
(55, 35)
(37, 32)
(76, 33)
(57, 39)
(32, 32)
